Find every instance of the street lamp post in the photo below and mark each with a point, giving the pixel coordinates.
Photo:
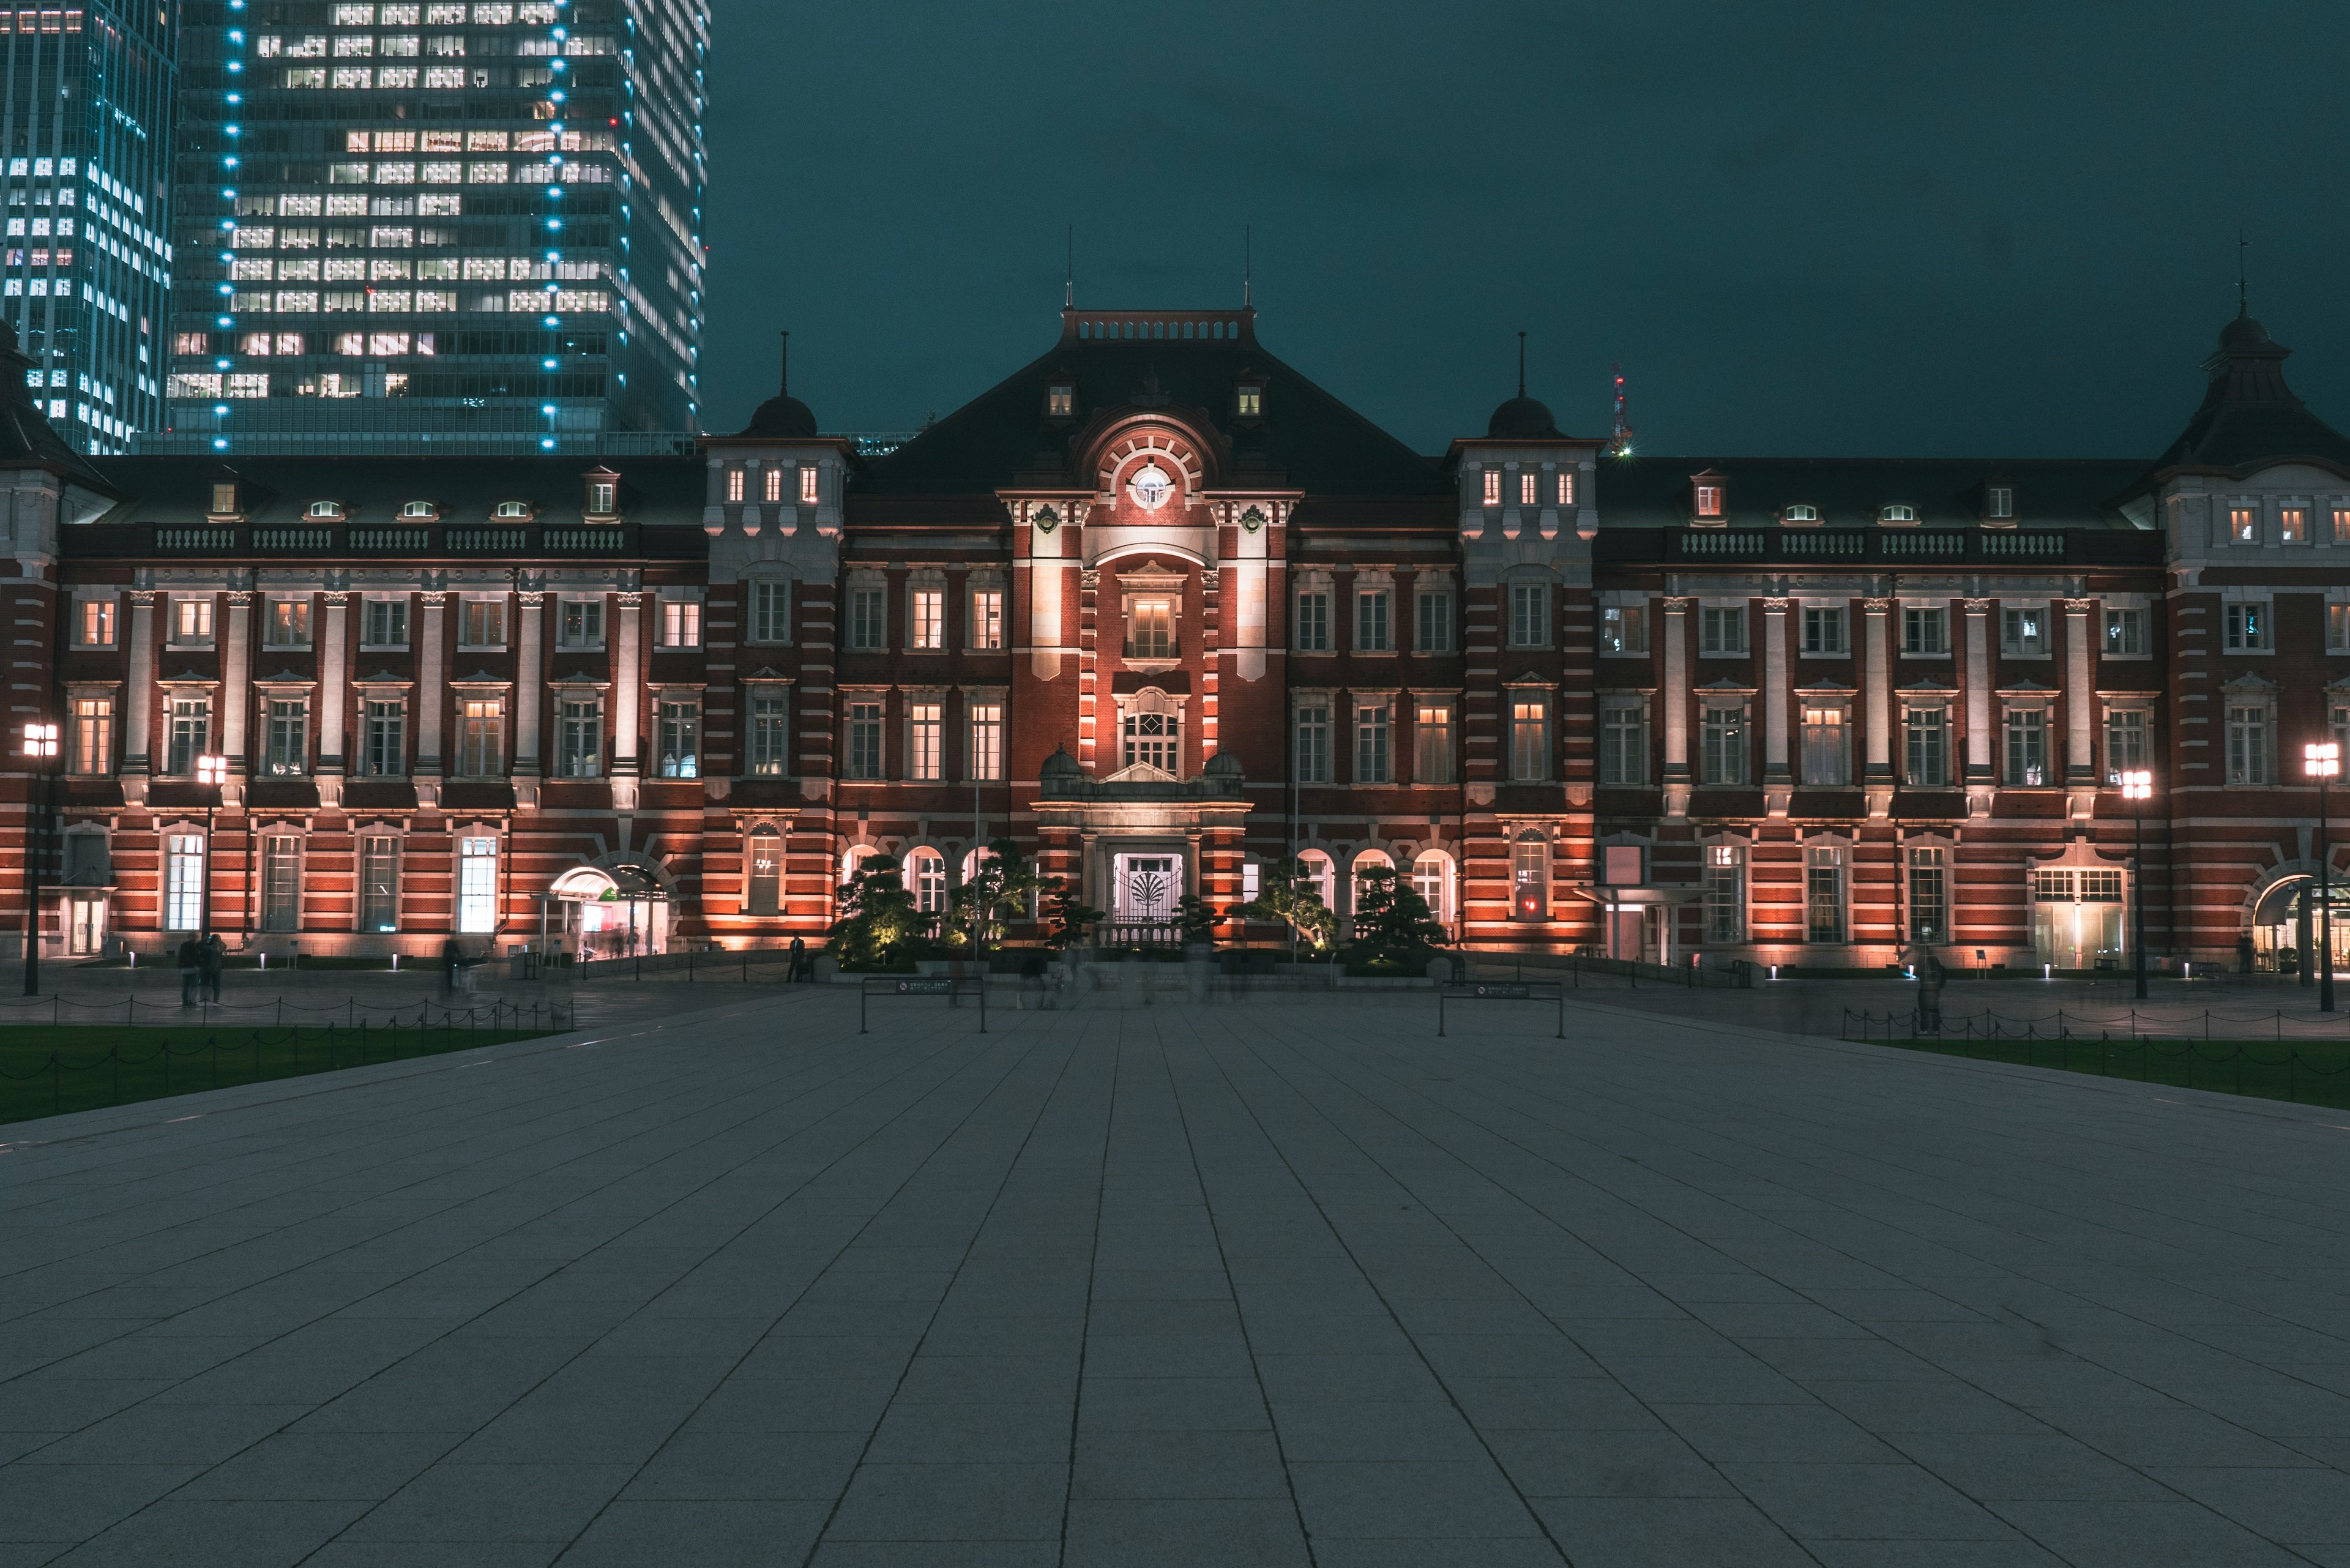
(41, 746)
(212, 773)
(2137, 785)
(2323, 760)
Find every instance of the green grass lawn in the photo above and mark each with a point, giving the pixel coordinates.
(2306, 1072)
(45, 1069)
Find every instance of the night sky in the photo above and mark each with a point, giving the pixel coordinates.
(1872, 229)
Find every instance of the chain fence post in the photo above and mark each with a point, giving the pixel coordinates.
(56, 1085)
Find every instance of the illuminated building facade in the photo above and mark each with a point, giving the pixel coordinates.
(86, 125)
(446, 225)
(1165, 612)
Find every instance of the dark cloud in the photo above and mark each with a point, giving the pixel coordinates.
(1817, 227)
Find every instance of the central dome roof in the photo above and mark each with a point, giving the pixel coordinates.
(1522, 418)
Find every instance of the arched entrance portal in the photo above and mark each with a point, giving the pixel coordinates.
(611, 912)
(2280, 936)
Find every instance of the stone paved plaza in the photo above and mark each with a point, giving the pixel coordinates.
(1288, 1282)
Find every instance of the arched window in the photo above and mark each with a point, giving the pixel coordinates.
(927, 880)
(1432, 879)
(1316, 871)
(854, 861)
(1530, 877)
(1368, 860)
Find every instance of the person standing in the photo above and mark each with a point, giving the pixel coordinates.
(192, 959)
(796, 972)
(452, 960)
(213, 958)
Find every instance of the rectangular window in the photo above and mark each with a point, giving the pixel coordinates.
(478, 884)
(924, 740)
(1708, 500)
(865, 739)
(1624, 630)
(481, 738)
(1433, 743)
(1529, 740)
(579, 623)
(771, 611)
(191, 621)
(2338, 726)
(384, 749)
(93, 737)
(579, 738)
(1314, 741)
(1153, 740)
(2127, 746)
(765, 895)
(773, 491)
(1492, 487)
(2338, 628)
(1623, 744)
(1371, 753)
(1374, 629)
(481, 623)
(680, 738)
(386, 624)
(1721, 630)
(1824, 894)
(1529, 615)
(1823, 632)
(378, 883)
(1929, 897)
(190, 735)
(770, 731)
(1313, 622)
(281, 882)
(2025, 633)
(1722, 745)
(2248, 627)
(1566, 489)
(1529, 491)
(808, 487)
(926, 619)
(2245, 524)
(286, 623)
(2001, 502)
(867, 618)
(1823, 745)
(183, 881)
(2292, 526)
(1924, 633)
(1150, 629)
(1926, 747)
(95, 629)
(1725, 892)
(987, 620)
(2027, 747)
(288, 743)
(984, 758)
(2342, 524)
(681, 625)
(735, 481)
(2248, 744)
(1435, 621)
(2124, 632)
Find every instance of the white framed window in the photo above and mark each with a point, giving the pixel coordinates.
(285, 622)
(1999, 502)
(1825, 751)
(769, 756)
(190, 736)
(287, 742)
(93, 737)
(680, 738)
(579, 623)
(1374, 621)
(2128, 742)
(771, 610)
(925, 740)
(865, 739)
(480, 737)
(183, 881)
(987, 620)
(1725, 892)
(1824, 632)
(2125, 633)
(1926, 746)
(2292, 525)
(1150, 732)
(1432, 879)
(772, 486)
(1432, 746)
(1314, 620)
(763, 892)
(1313, 739)
(808, 494)
(579, 738)
(383, 623)
(1529, 489)
(191, 622)
(2023, 631)
(383, 744)
(681, 623)
(481, 623)
(1373, 761)
(2245, 524)
(94, 623)
(1925, 632)
(1824, 893)
(983, 752)
(379, 882)
(1530, 877)
(1721, 630)
(926, 880)
(1435, 612)
(2247, 623)
(1566, 487)
(1722, 744)
(1623, 631)
(735, 479)
(2027, 747)
(1060, 400)
(281, 882)
(478, 884)
(2248, 744)
(926, 619)
(1709, 500)
(1151, 626)
(1623, 741)
(1929, 899)
(1529, 615)
(868, 613)
(1529, 737)
(1493, 488)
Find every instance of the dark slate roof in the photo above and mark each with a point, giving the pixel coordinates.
(1645, 491)
(27, 438)
(1306, 439)
(656, 490)
(2250, 416)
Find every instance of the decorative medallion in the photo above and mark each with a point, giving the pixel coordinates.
(1047, 520)
(1150, 487)
(1253, 519)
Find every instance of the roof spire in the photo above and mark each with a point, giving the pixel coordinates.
(1522, 363)
(784, 372)
(2243, 298)
(1248, 261)
(1069, 276)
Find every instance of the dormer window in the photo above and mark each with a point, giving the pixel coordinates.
(1060, 400)
(1800, 511)
(1897, 513)
(1709, 499)
(325, 511)
(224, 499)
(1999, 503)
(1249, 402)
(512, 511)
(419, 511)
(604, 493)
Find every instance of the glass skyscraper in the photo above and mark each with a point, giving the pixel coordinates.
(86, 119)
(459, 226)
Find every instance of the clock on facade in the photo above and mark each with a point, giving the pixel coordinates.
(1150, 487)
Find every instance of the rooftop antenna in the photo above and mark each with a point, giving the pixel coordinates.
(2243, 299)
(1619, 437)
(1522, 363)
(1069, 276)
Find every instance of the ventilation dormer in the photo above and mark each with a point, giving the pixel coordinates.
(513, 512)
(602, 503)
(1248, 397)
(420, 512)
(1709, 500)
(228, 501)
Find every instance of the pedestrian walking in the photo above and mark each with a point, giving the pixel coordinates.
(452, 961)
(794, 972)
(192, 959)
(213, 958)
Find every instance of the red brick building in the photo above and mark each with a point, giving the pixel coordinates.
(1165, 611)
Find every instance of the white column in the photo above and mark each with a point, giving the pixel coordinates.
(1676, 700)
(1774, 692)
(334, 660)
(627, 684)
(431, 677)
(1978, 729)
(530, 683)
(236, 694)
(1048, 576)
(2079, 708)
(139, 718)
(1880, 691)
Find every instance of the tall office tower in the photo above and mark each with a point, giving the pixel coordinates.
(436, 225)
(88, 120)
